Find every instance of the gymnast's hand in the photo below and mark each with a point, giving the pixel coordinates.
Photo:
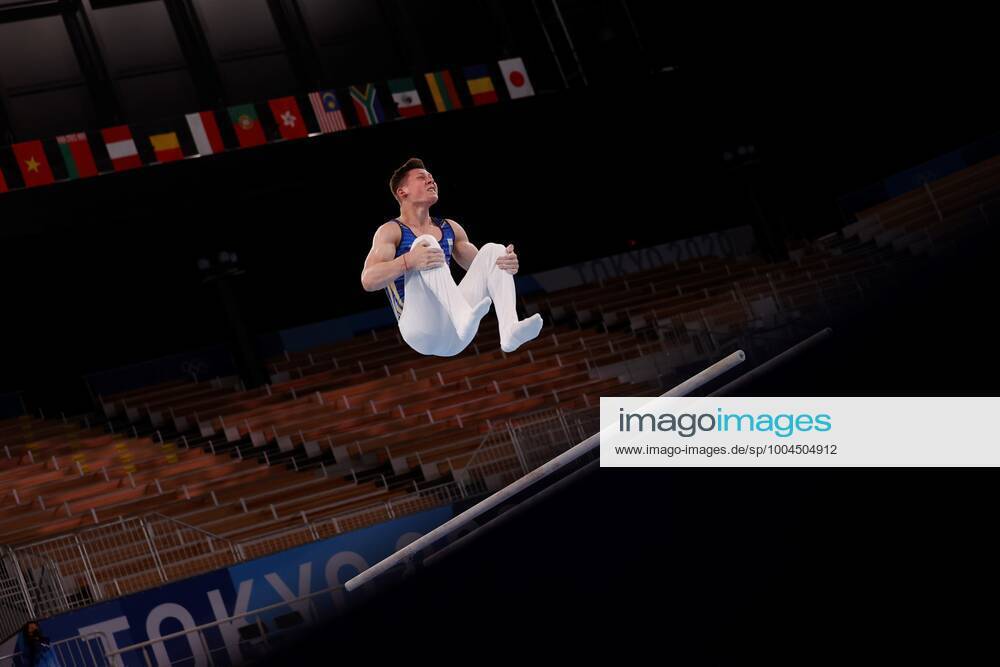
(509, 261)
(423, 257)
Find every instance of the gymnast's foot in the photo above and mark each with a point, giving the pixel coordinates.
(519, 334)
(468, 328)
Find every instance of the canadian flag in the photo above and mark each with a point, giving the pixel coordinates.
(516, 77)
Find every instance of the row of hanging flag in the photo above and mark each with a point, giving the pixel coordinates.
(80, 155)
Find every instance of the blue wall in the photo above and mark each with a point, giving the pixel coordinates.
(241, 588)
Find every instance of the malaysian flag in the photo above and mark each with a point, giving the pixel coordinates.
(327, 110)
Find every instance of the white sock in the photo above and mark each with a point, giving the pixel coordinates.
(467, 324)
(513, 337)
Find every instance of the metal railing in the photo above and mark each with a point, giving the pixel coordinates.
(59, 574)
(576, 453)
(245, 638)
(249, 636)
(109, 560)
(79, 651)
(15, 604)
(235, 640)
(511, 450)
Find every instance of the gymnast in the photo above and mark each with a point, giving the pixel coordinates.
(410, 259)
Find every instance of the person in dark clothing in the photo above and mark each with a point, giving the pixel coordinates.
(33, 648)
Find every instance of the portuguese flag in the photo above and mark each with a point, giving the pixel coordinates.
(247, 125)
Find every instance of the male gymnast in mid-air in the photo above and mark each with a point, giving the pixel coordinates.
(410, 259)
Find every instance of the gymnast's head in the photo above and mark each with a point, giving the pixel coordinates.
(413, 184)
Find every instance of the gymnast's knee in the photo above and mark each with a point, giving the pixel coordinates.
(493, 249)
(424, 237)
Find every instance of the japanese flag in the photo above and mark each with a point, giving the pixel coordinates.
(516, 77)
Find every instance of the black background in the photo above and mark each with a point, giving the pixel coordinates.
(719, 565)
(102, 273)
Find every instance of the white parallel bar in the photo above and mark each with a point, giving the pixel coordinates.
(552, 466)
(773, 363)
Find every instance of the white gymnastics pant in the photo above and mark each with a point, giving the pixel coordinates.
(439, 317)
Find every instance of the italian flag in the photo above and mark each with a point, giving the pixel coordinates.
(121, 148)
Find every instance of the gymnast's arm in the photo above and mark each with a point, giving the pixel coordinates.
(382, 266)
(463, 252)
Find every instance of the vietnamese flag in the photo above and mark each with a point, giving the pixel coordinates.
(289, 118)
(247, 125)
(33, 163)
(121, 148)
(3, 183)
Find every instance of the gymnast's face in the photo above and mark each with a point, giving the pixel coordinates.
(421, 188)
